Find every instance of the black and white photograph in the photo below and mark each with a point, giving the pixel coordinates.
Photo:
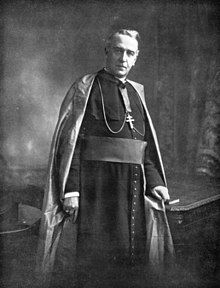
(109, 144)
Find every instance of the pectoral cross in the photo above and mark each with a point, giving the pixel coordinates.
(130, 120)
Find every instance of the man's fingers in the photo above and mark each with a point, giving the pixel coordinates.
(73, 212)
(156, 195)
(75, 215)
(70, 204)
(70, 210)
(163, 192)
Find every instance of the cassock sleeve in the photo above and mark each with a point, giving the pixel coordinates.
(73, 180)
(152, 175)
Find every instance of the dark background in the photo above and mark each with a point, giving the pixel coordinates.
(46, 45)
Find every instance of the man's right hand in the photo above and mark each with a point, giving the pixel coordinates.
(71, 206)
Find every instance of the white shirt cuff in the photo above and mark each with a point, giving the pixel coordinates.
(71, 194)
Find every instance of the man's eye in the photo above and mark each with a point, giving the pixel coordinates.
(118, 50)
(130, 53)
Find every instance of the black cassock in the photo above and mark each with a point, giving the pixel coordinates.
(111, 220)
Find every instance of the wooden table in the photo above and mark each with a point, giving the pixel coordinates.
(195, 222)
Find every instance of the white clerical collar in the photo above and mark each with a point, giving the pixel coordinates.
(123, 80)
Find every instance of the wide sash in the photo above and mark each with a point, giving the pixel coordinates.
(114, 150)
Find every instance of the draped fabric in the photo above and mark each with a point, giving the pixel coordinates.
(186, 86)
(208, 158)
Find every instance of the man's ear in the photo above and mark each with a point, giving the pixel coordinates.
(136, 57)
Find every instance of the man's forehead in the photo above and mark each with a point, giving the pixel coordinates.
(125, 41)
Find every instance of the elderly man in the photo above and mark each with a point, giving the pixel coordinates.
(104, 160)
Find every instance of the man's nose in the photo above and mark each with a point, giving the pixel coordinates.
(123, 56)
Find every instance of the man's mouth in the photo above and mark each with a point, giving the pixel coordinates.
(122, 67)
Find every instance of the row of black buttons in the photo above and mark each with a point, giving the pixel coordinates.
(134, 203)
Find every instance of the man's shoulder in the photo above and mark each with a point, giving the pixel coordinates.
(135, 83)
(139, 87)
(80, 87)
(86, 79)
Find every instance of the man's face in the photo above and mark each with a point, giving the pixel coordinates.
(121, 55)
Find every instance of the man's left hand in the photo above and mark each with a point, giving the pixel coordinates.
(71, 206)
(161, 193)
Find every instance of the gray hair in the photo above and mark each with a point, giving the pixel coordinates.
(132, 33)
